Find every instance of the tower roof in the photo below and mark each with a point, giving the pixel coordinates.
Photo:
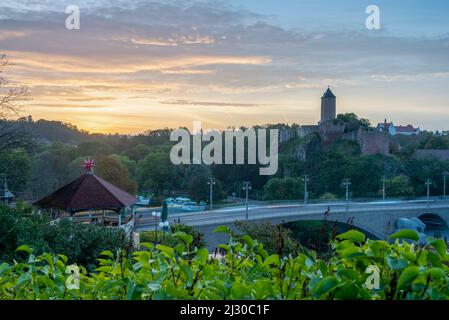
(87, 192)
(328, 94)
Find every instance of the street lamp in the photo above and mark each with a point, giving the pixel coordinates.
(346, 183)
(211, 182)
(384, 179)
(247, 187)
(306, 194)
(164, 226)
(156, 215)
(445, 175)
(428, 184)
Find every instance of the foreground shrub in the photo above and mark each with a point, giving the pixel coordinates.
(81, 243)
(245, 271)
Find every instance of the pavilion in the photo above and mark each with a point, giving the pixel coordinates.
(89, 193)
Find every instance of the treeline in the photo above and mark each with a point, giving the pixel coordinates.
(141, 164)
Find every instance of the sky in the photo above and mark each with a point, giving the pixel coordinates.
(140, 65)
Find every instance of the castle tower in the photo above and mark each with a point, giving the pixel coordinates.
(328, 106)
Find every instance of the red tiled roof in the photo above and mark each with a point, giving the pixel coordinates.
(407, 128)
(87, 192)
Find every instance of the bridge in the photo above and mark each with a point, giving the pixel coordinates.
(376, 218)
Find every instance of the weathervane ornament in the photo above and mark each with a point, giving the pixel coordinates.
(89, 165)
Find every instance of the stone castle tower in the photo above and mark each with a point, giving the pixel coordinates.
(328, 106)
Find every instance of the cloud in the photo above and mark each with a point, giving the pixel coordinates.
(88, 99)
(208, 103)
(68, 106)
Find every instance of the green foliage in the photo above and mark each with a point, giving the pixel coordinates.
(81, 243)
(196, 182)
(156, 172)
(15, 165)
(169, 238)
(275, 238)
(399, 186)
(283, 189)
(244, 271)
(352, 122)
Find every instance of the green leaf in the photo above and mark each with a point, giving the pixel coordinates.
(188, 273)
(406, 234)
(107, 253)
(25, 248)
(222, 229)
(352, 235)
(186, 238)
(407, 276)
(324, 286)
(440, 246)
(436, 273)
(166, 250)
(273, 259)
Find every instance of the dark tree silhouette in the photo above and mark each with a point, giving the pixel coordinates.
(11, 98)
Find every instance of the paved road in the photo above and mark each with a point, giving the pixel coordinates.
(257, 212)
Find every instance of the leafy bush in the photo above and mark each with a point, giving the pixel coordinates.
(81, 243)
(246, 271)
(275, 238)
(169, 239)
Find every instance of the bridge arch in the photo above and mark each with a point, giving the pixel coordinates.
(340, 226)
(433, 221)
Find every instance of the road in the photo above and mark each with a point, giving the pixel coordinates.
(258, 212)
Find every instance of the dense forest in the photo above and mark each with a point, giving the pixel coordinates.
(50, 154)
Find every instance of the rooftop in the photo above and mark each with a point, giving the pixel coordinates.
(88, 192)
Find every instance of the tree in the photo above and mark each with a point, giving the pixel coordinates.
(399, 186)
(113, 171)
(131, 165)
(16, 166)
(156, 172)
(275, 238)
(352, 121)
(196, 180)
(283, 189)
(53, 168)
(11, 133)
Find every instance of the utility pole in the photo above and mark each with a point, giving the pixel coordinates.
(247, 187)
(383, 187)
(306, 194)
(445, 174)
(346, 184)
(211, 182)
(428, 183)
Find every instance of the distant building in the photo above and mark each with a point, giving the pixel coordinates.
(393, 130)
(328, 106)
(432, 153)
(371, 142)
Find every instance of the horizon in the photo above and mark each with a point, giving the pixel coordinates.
(164, 64)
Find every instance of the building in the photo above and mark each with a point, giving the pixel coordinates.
(393, 130)
(370, 141)
(328, 106)
(89, 193)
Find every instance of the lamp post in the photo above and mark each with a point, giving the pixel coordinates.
(211, 182)
(384, 179)
(247, 187)
(346, 183)
(164, 226)
(306, 194)
(428, 183)
(156, 215)
(445, 175)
